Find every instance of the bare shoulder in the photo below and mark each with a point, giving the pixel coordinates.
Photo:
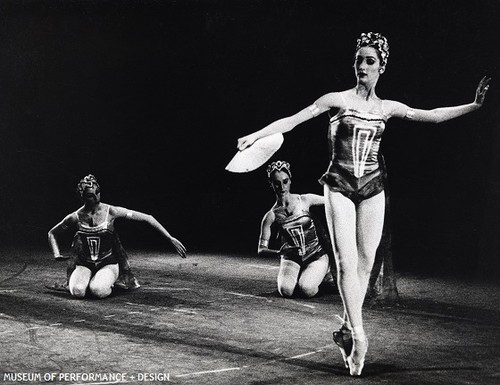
(269, 217)
(117, 211)
(330, 100)
(71, 218)
(394, 108)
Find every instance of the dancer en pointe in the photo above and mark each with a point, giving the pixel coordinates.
(353, 185)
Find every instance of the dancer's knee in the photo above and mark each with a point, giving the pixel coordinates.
(365, 264)
(346, 269)
(78, 291)
(309, 290)
(79, 281)
(286, 289)
(364, 271)
(100, 291)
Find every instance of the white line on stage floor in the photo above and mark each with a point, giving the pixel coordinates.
(207, 372)
(302, 304)
(266, 267)
(246, 295)
(153, 288)
(7, 316)
(302, 355)
(318, 350)
(186, 311)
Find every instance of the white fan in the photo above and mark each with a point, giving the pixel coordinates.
(256, 155)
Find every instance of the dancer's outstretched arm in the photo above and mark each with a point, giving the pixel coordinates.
(287, 124)
(442, 114)
(120, 212)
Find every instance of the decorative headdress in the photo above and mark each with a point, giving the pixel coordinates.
(377, 41)
(89, 180)
(279, 165)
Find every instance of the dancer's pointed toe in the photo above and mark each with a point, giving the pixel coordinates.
(356, 360)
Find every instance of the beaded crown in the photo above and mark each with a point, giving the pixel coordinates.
(279, 165)
(377, 41)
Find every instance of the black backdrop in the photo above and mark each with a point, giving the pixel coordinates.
(150, 96)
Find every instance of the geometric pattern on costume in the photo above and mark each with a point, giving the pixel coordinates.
(354, 138)
(298, 229)
(354, 142)
(95, 244)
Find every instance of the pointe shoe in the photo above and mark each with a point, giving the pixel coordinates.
(356, 360)
(343, 339)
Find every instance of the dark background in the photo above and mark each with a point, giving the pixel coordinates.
(150, 96)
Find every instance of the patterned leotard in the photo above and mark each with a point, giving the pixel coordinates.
(298, 229)
(354, 138)
(95, 244)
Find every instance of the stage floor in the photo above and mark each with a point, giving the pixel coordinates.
(218, 319)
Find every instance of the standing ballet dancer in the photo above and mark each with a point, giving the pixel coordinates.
(353, 185)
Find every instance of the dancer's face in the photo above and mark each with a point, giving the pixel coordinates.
(90, 192)
(367, 65)
(280, 182)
